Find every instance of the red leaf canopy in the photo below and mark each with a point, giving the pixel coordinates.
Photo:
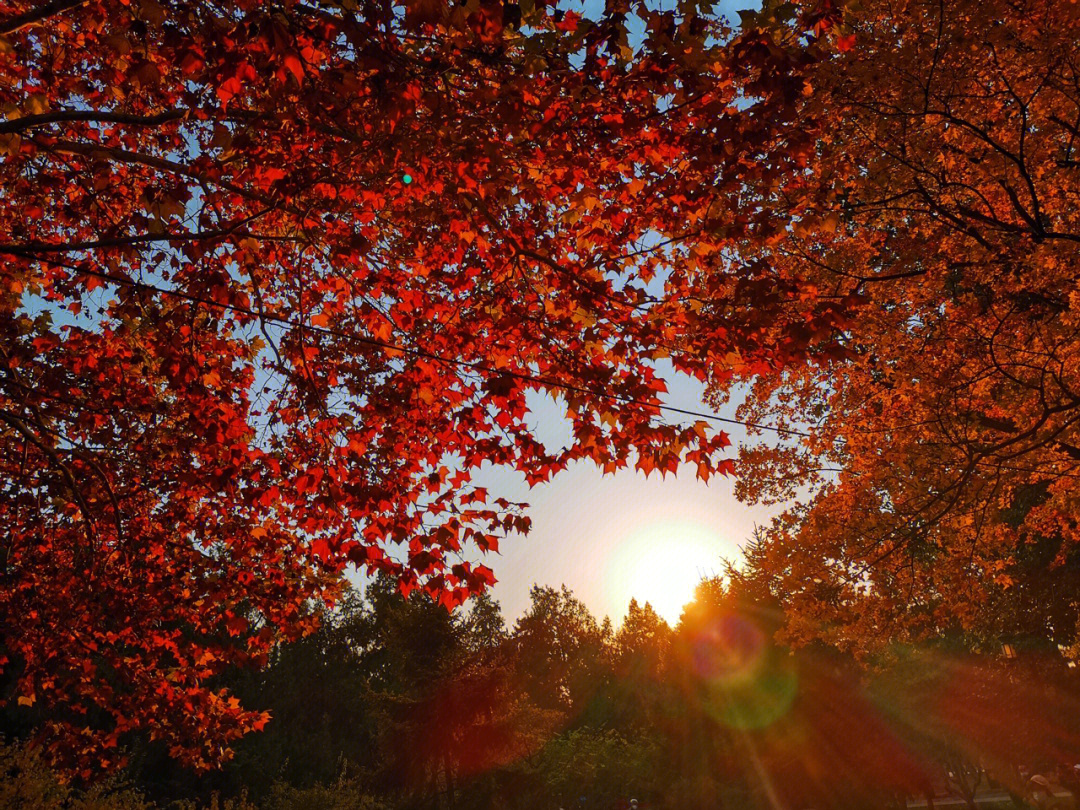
(277, 279)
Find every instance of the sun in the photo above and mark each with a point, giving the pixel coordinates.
(661, 563)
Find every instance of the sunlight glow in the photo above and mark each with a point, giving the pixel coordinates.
(662, 562)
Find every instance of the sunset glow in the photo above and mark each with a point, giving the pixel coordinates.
(662, 562)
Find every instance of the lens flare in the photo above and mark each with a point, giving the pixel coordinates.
(747, 684)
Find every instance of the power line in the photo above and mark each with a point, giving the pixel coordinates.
(476, 366)
(485, 369)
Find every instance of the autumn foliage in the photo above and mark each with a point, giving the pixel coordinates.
(278, 279)
(942, 443)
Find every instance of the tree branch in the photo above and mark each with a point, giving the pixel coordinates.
(30, 121)
(37, 15)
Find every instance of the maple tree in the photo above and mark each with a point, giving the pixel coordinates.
(937, 428)
(277, 280)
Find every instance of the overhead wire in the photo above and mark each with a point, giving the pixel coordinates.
(476, 366)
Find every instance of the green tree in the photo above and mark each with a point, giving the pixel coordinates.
(639, 696)
(563, 655)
